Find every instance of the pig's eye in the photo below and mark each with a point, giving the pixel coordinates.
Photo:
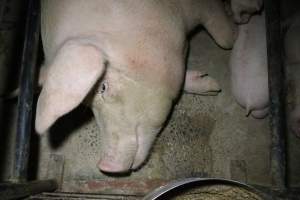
(103, 87)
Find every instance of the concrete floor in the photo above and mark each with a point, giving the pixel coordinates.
(206, 136)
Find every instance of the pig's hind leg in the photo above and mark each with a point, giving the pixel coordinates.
(197, 82)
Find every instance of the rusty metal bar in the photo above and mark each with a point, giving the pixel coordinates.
(277, 94)
(25, 102)
(77, 196)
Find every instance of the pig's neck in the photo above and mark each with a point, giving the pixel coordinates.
(193, 14)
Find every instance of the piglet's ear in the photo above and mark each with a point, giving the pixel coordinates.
(70, 77)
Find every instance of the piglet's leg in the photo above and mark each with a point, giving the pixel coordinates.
(197, 82)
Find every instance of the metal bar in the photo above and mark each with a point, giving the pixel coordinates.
(19, 190)
(276, 90)
(77, 196)
(28, 66)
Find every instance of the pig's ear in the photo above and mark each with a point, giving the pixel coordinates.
(74, 71)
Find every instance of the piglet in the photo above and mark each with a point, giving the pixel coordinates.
(248, 66)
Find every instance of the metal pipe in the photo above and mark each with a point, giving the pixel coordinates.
(277, 94)
(25, 102)
(19, 190)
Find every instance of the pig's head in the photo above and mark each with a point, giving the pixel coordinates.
(129, 113)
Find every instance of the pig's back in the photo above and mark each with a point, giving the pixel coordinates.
(106, 20)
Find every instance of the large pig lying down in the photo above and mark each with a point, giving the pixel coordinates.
(126, 60)
(249, 69)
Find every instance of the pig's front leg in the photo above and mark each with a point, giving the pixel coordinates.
(197, 82)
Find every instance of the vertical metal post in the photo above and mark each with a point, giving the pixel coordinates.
(28, 66)
(276, 90)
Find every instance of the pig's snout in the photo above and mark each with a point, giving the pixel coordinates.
(119, 153)
(129, 152)
(109, 164)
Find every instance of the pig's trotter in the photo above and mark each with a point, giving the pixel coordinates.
(200, 83)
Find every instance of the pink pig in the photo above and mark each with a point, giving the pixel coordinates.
(126, 60)
(249, 69)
